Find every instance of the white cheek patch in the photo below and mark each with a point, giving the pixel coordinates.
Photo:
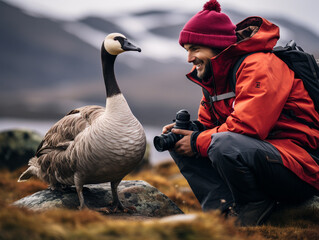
(113, 47)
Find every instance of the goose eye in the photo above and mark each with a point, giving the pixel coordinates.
(118, 38)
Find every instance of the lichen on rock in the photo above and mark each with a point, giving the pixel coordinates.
(146, 199)
(17, 146)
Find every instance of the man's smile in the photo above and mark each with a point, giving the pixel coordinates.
(198, 64)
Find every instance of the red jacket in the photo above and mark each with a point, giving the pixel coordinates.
(265, 86)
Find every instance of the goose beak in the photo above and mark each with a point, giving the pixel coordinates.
(127, 46)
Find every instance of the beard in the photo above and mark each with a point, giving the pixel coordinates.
(206, 72)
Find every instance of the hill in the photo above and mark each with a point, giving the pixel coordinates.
(49, 66)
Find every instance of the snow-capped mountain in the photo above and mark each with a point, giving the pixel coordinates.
(51, 64)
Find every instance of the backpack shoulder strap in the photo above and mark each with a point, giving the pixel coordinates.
(219, 97)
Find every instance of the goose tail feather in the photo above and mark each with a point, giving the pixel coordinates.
(31, 171)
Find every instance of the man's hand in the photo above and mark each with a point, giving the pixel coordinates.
(183, 146)
(167, 128)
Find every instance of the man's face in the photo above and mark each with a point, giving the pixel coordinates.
(200, 56)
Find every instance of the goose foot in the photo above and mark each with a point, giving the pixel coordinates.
(116, 204)
(116, 208)
(84, 207)
(104, 210)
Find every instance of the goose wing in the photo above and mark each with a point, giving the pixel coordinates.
(49, 155)
(62, 133)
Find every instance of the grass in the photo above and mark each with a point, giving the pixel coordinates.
(19, 223)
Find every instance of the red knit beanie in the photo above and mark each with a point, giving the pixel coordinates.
(209, 27)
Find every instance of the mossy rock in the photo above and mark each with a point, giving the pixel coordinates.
(146, 199)
(17, 147)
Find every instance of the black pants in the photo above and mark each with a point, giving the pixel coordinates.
(240, 169)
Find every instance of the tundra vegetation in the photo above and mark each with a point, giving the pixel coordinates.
(21, 223)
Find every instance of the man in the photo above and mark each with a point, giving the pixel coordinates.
(250, 154)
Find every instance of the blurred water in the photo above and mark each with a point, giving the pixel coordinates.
(42, 127)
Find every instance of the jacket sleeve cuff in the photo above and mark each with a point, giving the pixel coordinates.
(200, 127)
(203, 141)
(193, 142)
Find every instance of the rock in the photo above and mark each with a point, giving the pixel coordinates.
(179, 218)
(147, 200)
(17, 147)
(286, 213)
(312, 203)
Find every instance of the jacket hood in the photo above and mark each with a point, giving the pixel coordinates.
(254, 34)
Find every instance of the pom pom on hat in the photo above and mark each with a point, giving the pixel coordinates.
(212, 5)
(209, 27)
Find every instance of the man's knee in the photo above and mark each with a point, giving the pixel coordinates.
(228, 148)
(224, 144)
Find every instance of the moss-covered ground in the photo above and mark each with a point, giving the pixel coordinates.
(18, 223)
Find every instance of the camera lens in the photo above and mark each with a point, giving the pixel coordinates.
(159, 143)
(167, 141)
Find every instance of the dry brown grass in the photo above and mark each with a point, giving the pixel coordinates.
(65, 224)
(19, 223)
(167, 178)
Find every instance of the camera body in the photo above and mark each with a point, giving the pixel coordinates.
(167, 141)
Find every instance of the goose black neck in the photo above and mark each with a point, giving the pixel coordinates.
(108, 73)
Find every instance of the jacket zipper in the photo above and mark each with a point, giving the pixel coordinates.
(212, 108)
(217, 116)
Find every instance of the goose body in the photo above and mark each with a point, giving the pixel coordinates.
(93, 144)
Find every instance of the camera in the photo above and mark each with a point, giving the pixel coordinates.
(168, 140)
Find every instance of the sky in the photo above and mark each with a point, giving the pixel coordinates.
(305, 12)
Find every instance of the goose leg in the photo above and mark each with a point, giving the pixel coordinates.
(117, 204)
(79, 190)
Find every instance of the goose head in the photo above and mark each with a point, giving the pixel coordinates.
(116, 43)
(113, 45)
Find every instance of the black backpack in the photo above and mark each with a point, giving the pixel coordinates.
(304, 66)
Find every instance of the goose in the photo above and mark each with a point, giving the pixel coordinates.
(93, 144)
